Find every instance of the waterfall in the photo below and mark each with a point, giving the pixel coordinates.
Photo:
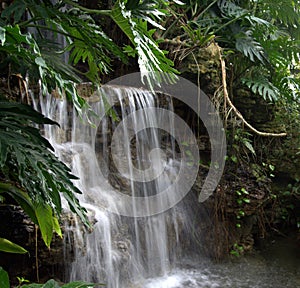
(125, 161)
(120, 249)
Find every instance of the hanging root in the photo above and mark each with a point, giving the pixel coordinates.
(233, 108)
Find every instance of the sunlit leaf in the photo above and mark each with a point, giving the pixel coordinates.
(10, 247)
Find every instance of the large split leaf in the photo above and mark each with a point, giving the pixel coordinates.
(27, 159)
(152, 60)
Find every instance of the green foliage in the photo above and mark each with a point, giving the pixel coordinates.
(237, 250)
(288, 207)
(53, 284)
(40, 57)
(30, 173)
(263, 87)
(4, 283)
(263, 35)
(27, 161)
(152, 60)
(22, 280)
(242, 197)
(4, 280)
(241, 146)
(10, 247)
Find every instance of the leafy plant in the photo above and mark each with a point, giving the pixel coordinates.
(241, 146)
(4, 283)
(4, 280)
(256, 34)
(86, 40)
(288, 207)
(152, 60)
(237, 250)
(263, 87)
(30, 172)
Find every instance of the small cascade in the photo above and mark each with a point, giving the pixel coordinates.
(124, 163)
(125, 157)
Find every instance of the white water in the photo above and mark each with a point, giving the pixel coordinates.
(141, 252)
(120, 249)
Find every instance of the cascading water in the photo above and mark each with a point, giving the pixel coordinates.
(126, 249)
(120, 249)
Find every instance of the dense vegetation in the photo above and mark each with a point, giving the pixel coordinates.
(259, 43)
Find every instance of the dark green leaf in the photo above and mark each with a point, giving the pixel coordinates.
(15, 10)
(4, 280)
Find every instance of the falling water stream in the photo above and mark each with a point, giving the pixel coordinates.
(126, 251)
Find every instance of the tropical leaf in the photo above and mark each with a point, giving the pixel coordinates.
(10, 247)
(283, 11)
(263, 87)
(230, 9)
(249, 146)
(45, 219)
(29, 160)
(247, 45)
(289, 87)
(147, 10)
(79, 284)
(152, 60)
(21, 198)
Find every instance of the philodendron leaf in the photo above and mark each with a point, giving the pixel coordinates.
(4, 280)
(151, 59)
(10, 247)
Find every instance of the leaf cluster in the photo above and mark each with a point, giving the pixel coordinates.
(85, 40)
(30, 172)
(263, 35)
(152, 60)
(4, 283)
